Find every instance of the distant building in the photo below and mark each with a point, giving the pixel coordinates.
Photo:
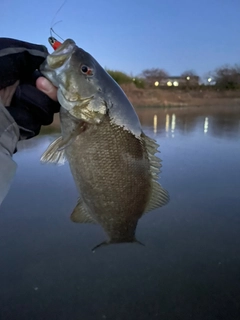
(178, 81)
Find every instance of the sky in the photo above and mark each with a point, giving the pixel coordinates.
(133, 35)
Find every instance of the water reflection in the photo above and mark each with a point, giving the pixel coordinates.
(214, 121)
(217, 121)
(167, 122)
(191, 259)
(155, 123)
(170, 119)
(205, 127)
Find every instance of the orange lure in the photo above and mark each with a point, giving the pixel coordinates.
(54, 43)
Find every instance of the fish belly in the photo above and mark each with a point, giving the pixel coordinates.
(111, 169)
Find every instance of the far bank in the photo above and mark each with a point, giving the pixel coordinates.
(180, 98)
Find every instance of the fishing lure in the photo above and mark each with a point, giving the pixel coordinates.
(54, 43)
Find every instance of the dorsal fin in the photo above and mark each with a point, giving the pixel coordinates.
(159, 197)
(80, 214)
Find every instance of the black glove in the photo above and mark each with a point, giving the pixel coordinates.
(29, 107)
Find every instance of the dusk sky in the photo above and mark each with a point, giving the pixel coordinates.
(132, 35)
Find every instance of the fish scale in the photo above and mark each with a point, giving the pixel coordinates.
(110, 165)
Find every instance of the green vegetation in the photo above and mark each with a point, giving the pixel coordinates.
(119, 76)
(123, 78)
(139, 82)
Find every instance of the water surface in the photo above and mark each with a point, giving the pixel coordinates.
(190, 265)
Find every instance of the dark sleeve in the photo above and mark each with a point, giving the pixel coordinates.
(18, 60)
(9, 136)
(30, 107)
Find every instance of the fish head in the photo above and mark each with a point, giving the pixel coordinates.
(86, 90)
(73, 71)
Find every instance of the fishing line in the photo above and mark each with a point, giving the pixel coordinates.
(52, 22)
(52, 31)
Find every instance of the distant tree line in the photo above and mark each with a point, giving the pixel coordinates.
(227, 77)
(121, 78)
(223, 78)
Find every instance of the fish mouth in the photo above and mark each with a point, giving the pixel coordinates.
(60, 57)
(65, 48)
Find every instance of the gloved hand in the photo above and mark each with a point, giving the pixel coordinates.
(29, 106)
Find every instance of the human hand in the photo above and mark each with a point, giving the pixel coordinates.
(29, 97)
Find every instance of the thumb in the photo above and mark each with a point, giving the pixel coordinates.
(47, 87)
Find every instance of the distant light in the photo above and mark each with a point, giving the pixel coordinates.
(169, 83)
(156, 83)
(175, 83)
(209, 79)
(133, 79)
(188, 78)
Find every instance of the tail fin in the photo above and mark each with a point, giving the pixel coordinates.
(105, 243)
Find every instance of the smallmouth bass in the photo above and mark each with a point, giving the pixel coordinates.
(112, 161)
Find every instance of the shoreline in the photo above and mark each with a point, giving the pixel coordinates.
(160, 98)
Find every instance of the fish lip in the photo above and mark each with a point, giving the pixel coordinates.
(66, 47)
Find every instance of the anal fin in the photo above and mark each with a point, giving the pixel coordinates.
(80, 214)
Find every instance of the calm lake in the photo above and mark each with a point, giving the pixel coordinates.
(190, 265)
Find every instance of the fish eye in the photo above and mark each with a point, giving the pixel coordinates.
(84, 69)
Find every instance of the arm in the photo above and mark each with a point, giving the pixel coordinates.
(9, 136)
(27, 101)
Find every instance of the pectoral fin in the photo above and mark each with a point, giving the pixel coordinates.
(52, 154)
(55, 152)
(80, 214)
(72, 137)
